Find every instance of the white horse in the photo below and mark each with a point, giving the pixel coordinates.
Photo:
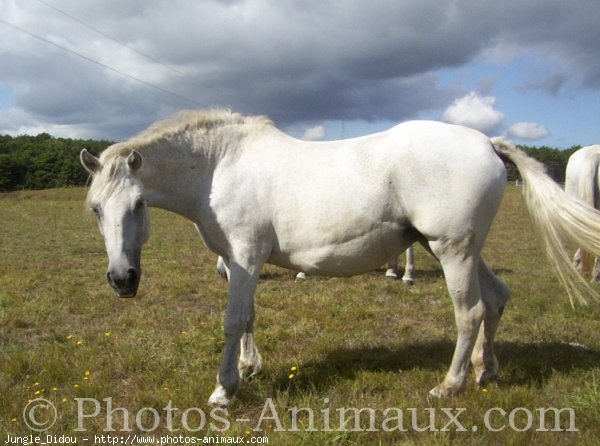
(583, 182)
(391, 272)
(257, 195)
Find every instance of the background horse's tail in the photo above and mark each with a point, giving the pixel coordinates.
(557, 219)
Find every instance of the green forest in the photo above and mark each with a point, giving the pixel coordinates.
(43, 161)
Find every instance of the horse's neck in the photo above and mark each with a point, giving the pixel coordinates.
(179, 179)
(177, 184)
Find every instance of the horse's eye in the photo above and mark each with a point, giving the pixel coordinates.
(96, 209)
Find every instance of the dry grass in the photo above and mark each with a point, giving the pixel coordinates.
(363, 342)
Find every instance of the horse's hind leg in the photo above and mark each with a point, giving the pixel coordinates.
(460, 262)
(392, 268)
(494, 294)
(409, 270)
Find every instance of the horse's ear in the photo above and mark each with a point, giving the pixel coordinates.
(89, 161)
(134, 160)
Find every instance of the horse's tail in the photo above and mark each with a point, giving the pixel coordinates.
(557, 219)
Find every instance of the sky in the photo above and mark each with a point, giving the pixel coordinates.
(320, 69)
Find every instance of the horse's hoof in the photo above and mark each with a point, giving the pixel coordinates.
(444, 391)
(219, 397)
(390, 273)
(486, 378)
(437, 392)
(301, 276)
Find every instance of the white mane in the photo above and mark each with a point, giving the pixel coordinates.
(203, 122)
(186, 121)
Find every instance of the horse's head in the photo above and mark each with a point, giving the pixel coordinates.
(116, 197)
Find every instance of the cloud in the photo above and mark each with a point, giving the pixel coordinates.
(296, 62)
(528, 130)
(474, 111)
(314, 133)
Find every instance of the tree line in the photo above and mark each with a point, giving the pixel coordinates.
(555, 161)
(43, 161)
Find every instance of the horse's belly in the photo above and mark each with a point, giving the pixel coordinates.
(358, 255)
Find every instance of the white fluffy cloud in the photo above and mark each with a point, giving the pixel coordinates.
(474, 111)
(314, 133)
(528, 130)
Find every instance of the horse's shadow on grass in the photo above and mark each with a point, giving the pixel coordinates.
(521, 364)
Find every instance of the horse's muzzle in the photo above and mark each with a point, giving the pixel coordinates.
(124, 283)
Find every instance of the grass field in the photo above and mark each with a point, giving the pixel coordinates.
(363, 343)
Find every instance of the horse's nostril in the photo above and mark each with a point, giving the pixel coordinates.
(131, 276)
(122, 281)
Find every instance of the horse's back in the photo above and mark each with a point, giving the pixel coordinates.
(413, 166)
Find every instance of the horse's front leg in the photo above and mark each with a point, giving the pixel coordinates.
(239, 319)
(223, 268)
(250, 362)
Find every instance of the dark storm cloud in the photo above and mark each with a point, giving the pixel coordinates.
(292, 60)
